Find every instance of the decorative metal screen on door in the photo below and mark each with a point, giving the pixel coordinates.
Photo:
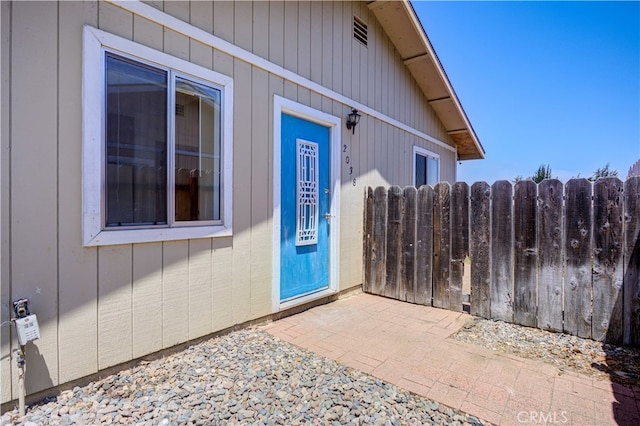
(307, 193)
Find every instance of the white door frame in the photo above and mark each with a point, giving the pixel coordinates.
(280, 106)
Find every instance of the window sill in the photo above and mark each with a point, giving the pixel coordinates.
(119, 236)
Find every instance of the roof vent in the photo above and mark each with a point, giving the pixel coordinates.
(360, 30)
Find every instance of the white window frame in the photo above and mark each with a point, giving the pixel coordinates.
(95, 42)
(425, 153)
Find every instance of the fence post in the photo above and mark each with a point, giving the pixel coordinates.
(479, 249)
(550, 254)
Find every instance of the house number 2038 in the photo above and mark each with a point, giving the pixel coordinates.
(347, 160)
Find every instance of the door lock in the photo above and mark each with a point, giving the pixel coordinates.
(328, 216)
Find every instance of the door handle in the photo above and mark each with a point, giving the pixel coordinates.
(328, 216)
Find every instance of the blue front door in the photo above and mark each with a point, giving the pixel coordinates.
(304, 201)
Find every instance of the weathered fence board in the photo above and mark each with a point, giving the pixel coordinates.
(378, 244)
(479, 254)
(459, 242)
(441, 244)
(424, 245)
(631, 285)
(607, 260)
(578, 278)
(394, 241)
(550, 254)
(407, 262)
(559, 257)
(367, 243)
(502, 251)
(525, 254)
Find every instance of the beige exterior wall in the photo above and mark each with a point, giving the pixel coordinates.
(101, 306)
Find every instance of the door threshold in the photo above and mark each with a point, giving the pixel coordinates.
(306, 297)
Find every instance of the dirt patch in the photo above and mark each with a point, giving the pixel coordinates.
(570, 353)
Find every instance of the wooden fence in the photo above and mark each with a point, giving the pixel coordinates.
(561, 257)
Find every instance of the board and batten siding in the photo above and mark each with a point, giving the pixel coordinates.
(101, 306)
(5, 291)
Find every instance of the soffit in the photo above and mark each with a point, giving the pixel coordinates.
(399, 21)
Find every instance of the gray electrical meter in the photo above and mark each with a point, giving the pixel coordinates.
(27, 329)
(26, 322)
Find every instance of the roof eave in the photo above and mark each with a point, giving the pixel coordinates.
(401, 24)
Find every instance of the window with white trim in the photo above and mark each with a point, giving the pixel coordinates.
(426, 167)
(156, 145)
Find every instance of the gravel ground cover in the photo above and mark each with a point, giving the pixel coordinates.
(244, 377)
(596, 359)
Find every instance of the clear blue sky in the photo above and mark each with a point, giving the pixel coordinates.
(553, 83)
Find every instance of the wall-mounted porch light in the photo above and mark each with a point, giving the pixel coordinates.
(352, 120)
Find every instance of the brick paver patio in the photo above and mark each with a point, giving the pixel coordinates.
(407, 345)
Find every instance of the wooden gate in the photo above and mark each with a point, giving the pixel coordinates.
(557, 257)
